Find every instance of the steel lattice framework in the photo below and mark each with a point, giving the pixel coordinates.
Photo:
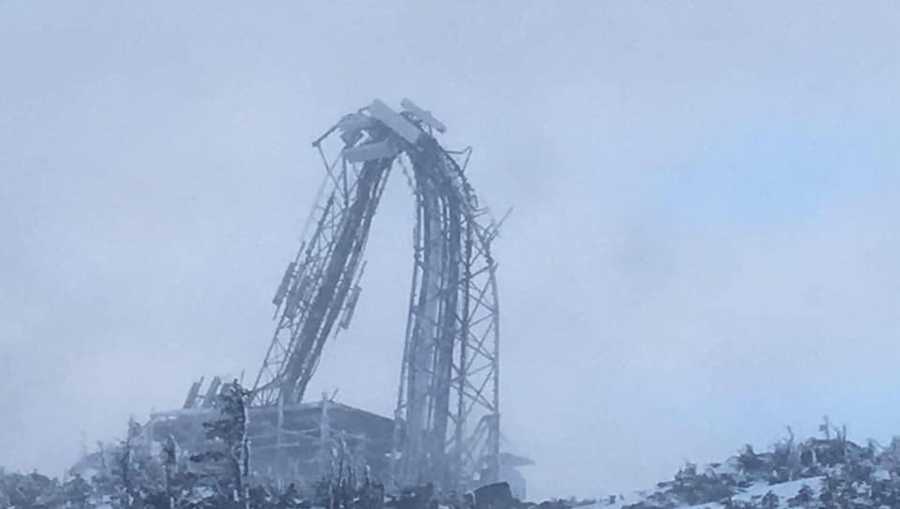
(448, 407)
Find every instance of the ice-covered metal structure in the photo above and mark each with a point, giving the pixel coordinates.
(297, 442)
(447, 419)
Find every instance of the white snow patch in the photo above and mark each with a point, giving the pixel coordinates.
(756, 492)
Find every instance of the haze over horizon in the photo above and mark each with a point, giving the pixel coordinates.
(703, 247)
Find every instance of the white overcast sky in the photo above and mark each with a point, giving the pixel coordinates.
(704, 246)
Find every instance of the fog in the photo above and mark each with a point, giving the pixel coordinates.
(703, 247)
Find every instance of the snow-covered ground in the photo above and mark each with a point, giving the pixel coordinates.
(754, 493)
(783, 491)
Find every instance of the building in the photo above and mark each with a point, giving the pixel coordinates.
(293, 443)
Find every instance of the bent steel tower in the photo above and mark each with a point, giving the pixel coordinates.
(447, 418)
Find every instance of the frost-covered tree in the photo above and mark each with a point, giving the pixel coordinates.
(769, 501)
(229, 451)
(804, 498)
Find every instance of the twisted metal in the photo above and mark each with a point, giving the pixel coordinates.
(447, 417)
